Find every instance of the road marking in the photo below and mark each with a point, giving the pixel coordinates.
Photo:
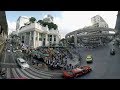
(30, 75)
(8, 73)
(38, 74)
(41, 72)
(44, 72)
(21, 74)
(14, 73)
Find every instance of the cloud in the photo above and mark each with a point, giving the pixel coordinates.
(73, 20)
(11, 26)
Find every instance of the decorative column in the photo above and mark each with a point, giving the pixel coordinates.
(46, 39)
(30, 40)
(52, 39)
(38, 44)
(34, 37)
(24, 38)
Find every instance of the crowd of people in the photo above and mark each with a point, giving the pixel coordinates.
(57, 59)
(95, 42)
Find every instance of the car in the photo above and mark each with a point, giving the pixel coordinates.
(22, 63)
(89, 59)
(79, 71)
(112, 51)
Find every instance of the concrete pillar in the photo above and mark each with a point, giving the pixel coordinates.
(57, 39)
(46, 39)
(52, 39)
(38, 39)
(75, 39)
(30, 39)
(24, 38)
(34, 39)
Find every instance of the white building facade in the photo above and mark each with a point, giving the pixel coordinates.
(35, 35)
(21, 21)
(98, 21)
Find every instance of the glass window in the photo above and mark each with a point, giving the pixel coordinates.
(40, 39)
(50, 37)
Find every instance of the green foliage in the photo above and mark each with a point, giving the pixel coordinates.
(40, 22)
(50, 25)
(32, 19)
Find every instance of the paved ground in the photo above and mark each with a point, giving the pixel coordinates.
(8, 63)
(104, 65)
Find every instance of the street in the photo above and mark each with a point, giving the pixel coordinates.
(9, 64)
(104, 66)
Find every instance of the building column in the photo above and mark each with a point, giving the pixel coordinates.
(46, 39)
(30, 40)
(75, 39)
(57, 39)
(38, 39)
(24, 38)
(52, 39)
(34, 37)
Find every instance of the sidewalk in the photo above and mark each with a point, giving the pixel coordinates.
(73, 61)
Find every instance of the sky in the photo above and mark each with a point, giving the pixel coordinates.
(67, 21)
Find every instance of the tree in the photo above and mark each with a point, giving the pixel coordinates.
(50, 25)
(32, 19)
(40, 21)
(55, 26)
(44, 24)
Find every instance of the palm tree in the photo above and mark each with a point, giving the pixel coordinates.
(32, 20)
